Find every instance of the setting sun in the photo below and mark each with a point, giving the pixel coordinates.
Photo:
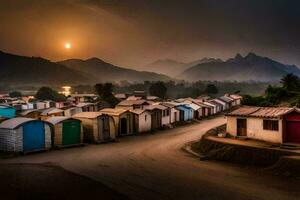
(68, 45)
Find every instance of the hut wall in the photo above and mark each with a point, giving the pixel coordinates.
(174, 112)
(89, 128)
(58, 134)
(112, 128)
(48, 140)
(11, 140)
(130, 121)
(255, 129)
(144, 122)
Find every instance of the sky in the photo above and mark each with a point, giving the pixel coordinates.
(133, 33)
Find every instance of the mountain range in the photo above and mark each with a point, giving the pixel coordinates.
(249, 68)
(15, 69)
(101, 71)
(22, 70)
(174, 68)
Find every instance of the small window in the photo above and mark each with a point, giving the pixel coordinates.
(270, 125)
(145, 117)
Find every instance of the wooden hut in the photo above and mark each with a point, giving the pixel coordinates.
(7, 111)
(24, 135)
(66, 132)
(186, 112)
(33, 113)
(97, 127)
(174, 115)
(142, 120)
(69, 112)
(51, 112)
(87, 107)
(132, 104)
(156, 116)
(124, 120)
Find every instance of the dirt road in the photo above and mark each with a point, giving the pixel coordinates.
(155, 167)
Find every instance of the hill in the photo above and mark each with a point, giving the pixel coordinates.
(174, 68)
(170, 67)
(15, 69)
(249, 68)
(101, 71)
(23, 70)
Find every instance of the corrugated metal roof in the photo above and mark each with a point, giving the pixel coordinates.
(235, 96)
(49, 111)
(80, 105)
(133, 98)
(113, 111)
(57, 120)
(226, 99)
(138, 111)
(168, 104)
(209, 104)
(15, 122)
(88, 115)
(155, 106)
(5, 106)
(26, 112)
(268, 112)
(194, 106)
(219, 101)
(132, 102)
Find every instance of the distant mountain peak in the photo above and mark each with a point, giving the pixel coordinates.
(238, 56)
(95, 59)
(248, 68)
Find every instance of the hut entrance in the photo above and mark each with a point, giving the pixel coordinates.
(71, 132)
(123, 126)
(241, 127)
(196, 114)
(292, 133)
(181, 115)
(105, 128)
(33, 136)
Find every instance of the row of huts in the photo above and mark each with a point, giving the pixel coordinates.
(54, 127)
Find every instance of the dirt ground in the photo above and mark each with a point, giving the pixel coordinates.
(154, 166)
(48, 182)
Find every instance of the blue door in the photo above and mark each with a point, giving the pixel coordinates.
(33, 136)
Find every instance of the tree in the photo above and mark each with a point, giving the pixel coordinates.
(46, 93)
(99, 89)
(15, 94)
(211, 89)
(105, 91)
(290, 82)
(158, 89)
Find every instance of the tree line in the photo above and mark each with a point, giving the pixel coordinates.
(286, 94)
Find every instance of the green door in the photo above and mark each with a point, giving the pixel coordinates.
(71, 132)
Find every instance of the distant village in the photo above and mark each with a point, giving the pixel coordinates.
(28, 124)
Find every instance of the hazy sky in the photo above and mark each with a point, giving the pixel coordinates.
(137, 32)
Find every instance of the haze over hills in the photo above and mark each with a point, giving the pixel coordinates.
(174, 68)
(102, 71)
(249, 68)
(15, 69)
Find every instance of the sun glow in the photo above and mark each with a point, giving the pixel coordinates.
(68, 45)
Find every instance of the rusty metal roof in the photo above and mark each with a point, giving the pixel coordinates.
(265, 112)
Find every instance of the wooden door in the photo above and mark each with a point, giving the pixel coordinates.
(105, 128)
(241, 127)
(293, 132)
